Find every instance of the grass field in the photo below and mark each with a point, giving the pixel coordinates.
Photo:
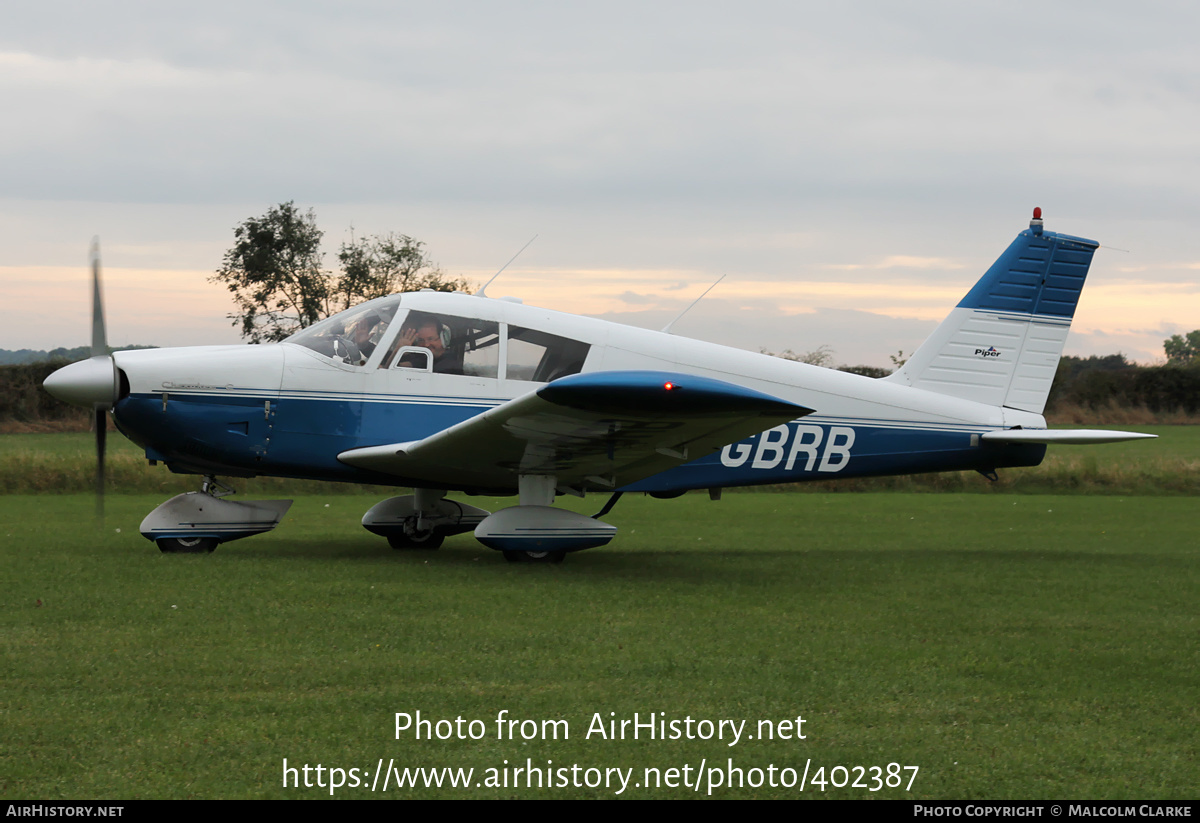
(1010, 646)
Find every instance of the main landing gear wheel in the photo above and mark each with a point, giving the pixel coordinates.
(534, 557)
(431, 539)
(187, 545)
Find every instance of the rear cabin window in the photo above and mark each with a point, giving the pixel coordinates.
(541, 357)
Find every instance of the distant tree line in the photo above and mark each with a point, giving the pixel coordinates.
(23, 400)
(9, 357)
(1091, 383)
(1112, 381)
(823, 356)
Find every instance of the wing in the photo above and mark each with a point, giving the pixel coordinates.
(591, 431)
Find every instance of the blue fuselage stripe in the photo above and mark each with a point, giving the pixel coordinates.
(301, 437)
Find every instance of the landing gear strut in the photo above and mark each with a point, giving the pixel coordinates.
(214, 487)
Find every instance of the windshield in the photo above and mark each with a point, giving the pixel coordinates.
(350, 336)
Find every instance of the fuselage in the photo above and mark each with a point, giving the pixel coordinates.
(288, 409)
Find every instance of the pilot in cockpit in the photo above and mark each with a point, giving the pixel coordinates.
(426, 331)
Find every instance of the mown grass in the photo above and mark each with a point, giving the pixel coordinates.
(1170, 465)
(1010, 646)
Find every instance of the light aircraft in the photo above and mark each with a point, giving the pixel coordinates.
(454, 392)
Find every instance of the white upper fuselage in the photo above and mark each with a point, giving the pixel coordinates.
(283, 369)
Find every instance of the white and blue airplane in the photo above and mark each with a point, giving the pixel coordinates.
(454, 392)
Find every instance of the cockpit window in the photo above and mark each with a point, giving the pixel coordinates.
(350, 336)
(541, 357)
(440, 343)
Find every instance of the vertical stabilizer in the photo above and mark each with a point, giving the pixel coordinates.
(1002, 343)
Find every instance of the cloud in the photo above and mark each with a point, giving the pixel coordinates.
(868, 157)
(479, 103)
(902, 261)
(633, 298)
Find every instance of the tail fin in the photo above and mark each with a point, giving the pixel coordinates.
(1002, 343)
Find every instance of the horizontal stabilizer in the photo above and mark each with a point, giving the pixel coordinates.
(1068, 436)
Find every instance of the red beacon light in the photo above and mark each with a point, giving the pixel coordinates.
(1036, 223)
(669, 386)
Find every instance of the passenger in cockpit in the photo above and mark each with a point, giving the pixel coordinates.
(357, 341)
(363, 335)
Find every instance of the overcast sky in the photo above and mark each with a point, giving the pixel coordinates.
(852, 167)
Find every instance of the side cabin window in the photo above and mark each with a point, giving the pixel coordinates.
(458, 345)
(540, 357)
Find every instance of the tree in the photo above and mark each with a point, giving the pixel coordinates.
(866, 371)
(274, 272)
(1183, 350)
(377, 266)
(823, 356)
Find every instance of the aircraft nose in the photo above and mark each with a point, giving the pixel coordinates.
(85, 383)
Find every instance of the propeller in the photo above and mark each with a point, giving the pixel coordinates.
(91, 383)
(99, 349)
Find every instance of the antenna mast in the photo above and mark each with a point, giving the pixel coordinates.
(667, 328)
(481, 292)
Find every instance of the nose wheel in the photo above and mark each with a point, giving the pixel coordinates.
(415, 539)
(187, 545)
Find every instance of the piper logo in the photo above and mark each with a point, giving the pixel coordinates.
(990, 351)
